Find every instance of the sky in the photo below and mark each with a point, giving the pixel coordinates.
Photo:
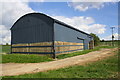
(90, 17)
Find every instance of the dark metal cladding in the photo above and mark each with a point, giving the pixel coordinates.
(66, 34)
(38, 27)
(32, 28)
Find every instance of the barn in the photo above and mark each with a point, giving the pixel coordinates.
(37, 33)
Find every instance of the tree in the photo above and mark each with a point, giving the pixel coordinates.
(102, 40)
(7, 44)
(96, 39)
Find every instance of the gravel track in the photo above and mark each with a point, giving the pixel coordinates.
(11, 69)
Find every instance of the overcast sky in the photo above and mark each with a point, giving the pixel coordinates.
(95, 17)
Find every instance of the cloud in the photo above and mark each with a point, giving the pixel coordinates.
(5, 35)
(97, 28)
(10, 12)
(95, 0)
(3, 30)
(23, 1)
(86, 24)
(83, 6)
(116, 37)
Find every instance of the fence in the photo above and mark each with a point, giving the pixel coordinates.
(109, 43)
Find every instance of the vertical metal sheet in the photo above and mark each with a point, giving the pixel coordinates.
(32, 28)
(63, 33)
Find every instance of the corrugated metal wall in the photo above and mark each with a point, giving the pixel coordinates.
(32, 33)
(66, 34)
(32, 29)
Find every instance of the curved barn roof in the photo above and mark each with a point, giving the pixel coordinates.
(55, 20)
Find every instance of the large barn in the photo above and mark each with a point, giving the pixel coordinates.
(37, 33)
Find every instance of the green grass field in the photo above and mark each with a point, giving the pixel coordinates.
(22, 58)
(6, 48)
(25, 58)
(62, 56)
(107, 68)
(34, 58)
(109, 43)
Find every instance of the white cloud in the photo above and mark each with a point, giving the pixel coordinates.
(95, 0)
(83, 6)
(10, 12)
(97, 28)
(86, 24)
(116, 37)
(60, 0)
(5, 35)
(3, 30)
(80, 20)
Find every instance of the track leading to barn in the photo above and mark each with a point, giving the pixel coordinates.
(11, 69)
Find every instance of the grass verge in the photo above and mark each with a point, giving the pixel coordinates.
(62, 56)
(22, 58)
(6, 48)
(107, 68)
(34, 58)
(25, 58)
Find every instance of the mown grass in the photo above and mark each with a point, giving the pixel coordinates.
(107, 68)
(62, 56)
(24, 58)
(34, 58)
(6, 48)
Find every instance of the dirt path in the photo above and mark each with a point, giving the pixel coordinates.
(10, 69)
